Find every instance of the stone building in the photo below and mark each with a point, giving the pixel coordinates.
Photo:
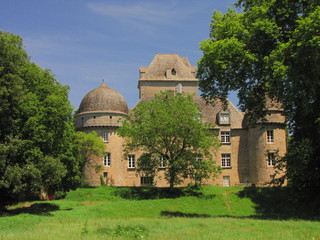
(246, 155)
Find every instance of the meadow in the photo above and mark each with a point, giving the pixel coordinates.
(154, 213)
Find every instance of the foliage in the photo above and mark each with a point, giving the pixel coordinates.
(36, 127)
(89, 144)
(270, 49)
(169, 129)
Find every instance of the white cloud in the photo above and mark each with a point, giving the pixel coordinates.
(138, 13)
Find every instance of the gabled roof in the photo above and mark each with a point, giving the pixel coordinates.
(168, 67)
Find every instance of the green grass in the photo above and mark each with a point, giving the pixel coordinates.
(142, 213)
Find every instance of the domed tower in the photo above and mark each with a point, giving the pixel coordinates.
(100, 110)
(266, 143)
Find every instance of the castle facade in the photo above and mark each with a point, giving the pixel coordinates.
(247, 155)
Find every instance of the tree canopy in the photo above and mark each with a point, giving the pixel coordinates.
(270, 49)
(169, 131)
(37, 149)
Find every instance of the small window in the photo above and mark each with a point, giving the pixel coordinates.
(131, 161)
(162, 162)
(271, 159)
(173, 72)
(105, 137)
(225, 137)
(224, 118)
(107, 160)
(146, 180)
(270, 136)
(199, 158)
(226, 160)
(105, 175)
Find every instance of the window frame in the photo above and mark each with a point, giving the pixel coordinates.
(107, 160)
(199, 157)
(222, 118)
(226, 160)
(225, 137)
(271, 159)
(146, 180)
(162, 162)
(105, 137)
(131, 161)
(270, 136)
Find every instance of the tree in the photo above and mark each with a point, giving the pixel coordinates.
(270, 49)
(90, 143)
(169, 131)
(37, 149)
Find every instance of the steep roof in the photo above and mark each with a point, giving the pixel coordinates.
(168, 67)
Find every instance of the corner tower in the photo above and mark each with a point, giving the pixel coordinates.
(100, 111)
(266, 143)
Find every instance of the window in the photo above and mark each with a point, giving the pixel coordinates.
(271, 159)
(105, 175)
(226, 160)
(162, 163)
(146, 180)
(224, 118)
(270, 137)
(173, 72)
(131, 161)
(199, 158)
(105, 137)
(107, 160)
(225, 136)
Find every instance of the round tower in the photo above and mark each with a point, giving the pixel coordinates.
(100, 111)
(266, 143)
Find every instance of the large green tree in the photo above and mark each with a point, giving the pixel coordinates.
(37, 150)
(271, 48)
(169, 131)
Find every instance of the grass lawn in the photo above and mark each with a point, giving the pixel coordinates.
(142, 213)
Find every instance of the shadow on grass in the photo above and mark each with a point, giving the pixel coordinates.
(281, 203)
(141, 193)
(187, 215)
(41, 209)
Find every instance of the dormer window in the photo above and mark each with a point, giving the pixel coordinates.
(224, 118)
(170, 72)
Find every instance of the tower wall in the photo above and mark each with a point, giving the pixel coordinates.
(258, 149)
(151, 88)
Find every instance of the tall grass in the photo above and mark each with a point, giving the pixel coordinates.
(141, 213)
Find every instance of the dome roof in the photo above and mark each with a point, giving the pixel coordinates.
(103, 99)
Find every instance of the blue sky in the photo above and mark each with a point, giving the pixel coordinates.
(85, 41)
